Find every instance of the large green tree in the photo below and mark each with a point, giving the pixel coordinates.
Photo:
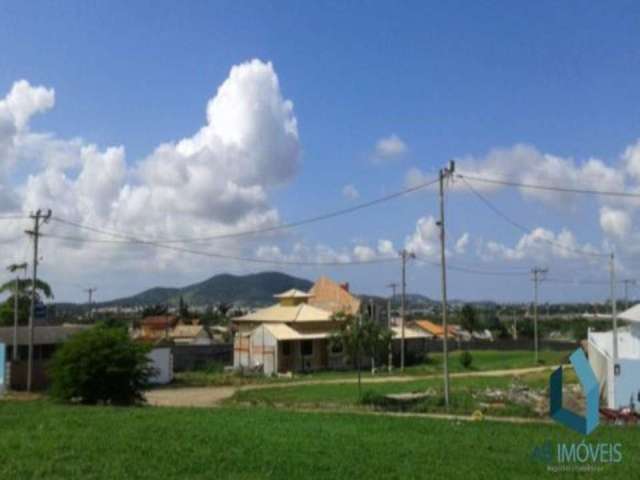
(42, 290)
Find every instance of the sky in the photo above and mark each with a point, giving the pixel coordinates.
(164, 121)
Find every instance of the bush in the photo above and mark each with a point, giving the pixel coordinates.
(466, 359)
(101, 365)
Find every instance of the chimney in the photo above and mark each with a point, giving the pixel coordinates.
(345, 286)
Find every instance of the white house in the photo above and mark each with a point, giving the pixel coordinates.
(619, 378)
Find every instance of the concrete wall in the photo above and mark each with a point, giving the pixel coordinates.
(162, 363)
(191, 357)
(627, 383)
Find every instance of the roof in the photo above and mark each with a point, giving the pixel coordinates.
(409, 333)
(434, 329)
(41, 335)
(333, 297)
(631, 314)
(293, 293)
(188, 331)
(159, 321)
(287, 313)
(282, 331)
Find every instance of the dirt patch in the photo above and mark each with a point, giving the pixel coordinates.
(188, 397)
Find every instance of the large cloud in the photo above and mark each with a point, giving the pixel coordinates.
(216, 181)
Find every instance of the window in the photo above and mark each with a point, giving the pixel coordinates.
(286, 349)
(306, 348)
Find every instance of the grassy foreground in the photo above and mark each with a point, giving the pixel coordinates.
(41, 440)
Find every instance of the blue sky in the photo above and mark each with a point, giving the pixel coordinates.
(450, 79)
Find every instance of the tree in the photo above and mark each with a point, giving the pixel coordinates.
(101, 365)
(468, 318)
(358, 336)
(183, 308)
(43, 290)
(153, 310)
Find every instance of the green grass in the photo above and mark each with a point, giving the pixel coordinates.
(346, 394)
(41, 440)
(483, 360)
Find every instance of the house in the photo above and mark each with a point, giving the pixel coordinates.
(155, 327)
(190, 335)
(619, 378)
(291, 335)
(46, 340)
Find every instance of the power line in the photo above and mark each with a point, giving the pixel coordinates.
(284, 226)
(521, 227)
(222, 256)
(553, 188)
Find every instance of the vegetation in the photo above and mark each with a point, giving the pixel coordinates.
(468, 394)
(100, 365)
(41, 440)
(358, 337)
(466, 359)
(43, 290)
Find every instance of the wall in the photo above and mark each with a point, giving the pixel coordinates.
(162, 362)
(435, 345)
(191, 357)
(627, 384)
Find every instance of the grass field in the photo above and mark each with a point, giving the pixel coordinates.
(41, 440)
(466, 393)
(483, 360)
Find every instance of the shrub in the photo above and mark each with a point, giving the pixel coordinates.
(466, 359)
(101, 365)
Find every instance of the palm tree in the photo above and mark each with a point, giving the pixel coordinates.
(24, 298)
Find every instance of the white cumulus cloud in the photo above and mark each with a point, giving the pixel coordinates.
(390, 147)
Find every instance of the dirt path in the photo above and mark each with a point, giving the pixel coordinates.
(189, 397)
(213, 396)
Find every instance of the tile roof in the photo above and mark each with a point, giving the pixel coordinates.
(287, 313)
(333, 297)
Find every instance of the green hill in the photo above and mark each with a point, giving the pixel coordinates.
(254, 289)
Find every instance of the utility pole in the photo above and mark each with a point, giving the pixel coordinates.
(38, 220)
(628, 282)
(90, 291)
(392, 286)
(614, 309)
(445, 173)
(538, 276)
(14, 268)
(404, 255)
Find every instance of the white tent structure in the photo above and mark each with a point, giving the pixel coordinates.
(619, 377)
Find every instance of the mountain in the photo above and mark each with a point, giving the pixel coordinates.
(254, 289)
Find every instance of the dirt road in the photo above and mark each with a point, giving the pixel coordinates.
(213, 396)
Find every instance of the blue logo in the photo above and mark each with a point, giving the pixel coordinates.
(584, 425)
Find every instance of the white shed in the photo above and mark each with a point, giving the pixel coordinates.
(619, 380)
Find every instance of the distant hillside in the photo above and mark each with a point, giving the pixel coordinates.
(255, 289)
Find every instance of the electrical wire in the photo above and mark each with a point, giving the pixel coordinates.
(524, 229)
(284, 226)
(235, 257)
(553, 188)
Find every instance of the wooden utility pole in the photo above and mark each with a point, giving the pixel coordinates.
(444, 174)
(38, 220)
(14, 268)
(538, 276)
(404, 255)
(392, 286)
